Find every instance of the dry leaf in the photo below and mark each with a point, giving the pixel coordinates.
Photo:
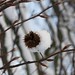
(66, 46)
(44, 16)
(43, 64)
(50, 59)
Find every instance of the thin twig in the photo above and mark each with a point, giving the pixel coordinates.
(44, 59)
(7, 4)
(29, 18)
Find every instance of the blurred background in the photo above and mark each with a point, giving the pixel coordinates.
(58, 20)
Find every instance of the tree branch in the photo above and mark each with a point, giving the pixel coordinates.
(44, 59)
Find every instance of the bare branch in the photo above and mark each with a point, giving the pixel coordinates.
(38, 61)
(29, 18)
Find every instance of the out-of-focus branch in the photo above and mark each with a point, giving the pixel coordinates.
(6, 4)
(39, 61)
(30, 18)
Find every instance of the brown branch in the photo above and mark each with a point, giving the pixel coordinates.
(7, 4)
(44, 59)
(29, 18)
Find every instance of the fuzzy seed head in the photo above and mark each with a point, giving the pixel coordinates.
(32, 40)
